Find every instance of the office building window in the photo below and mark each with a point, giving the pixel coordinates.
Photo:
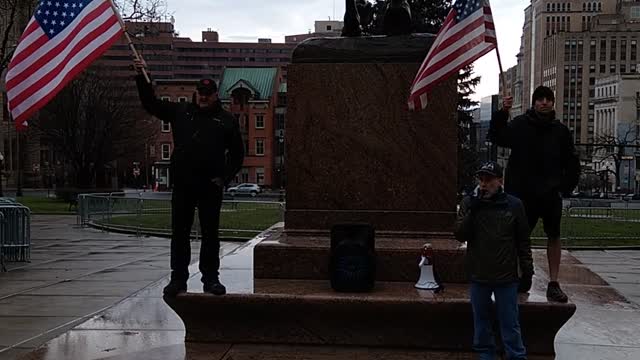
(613, 51)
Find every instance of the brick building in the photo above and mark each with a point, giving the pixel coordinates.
(251, 95)
(175, 63)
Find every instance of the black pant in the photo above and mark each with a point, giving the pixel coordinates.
(546, 207)
(207, 197)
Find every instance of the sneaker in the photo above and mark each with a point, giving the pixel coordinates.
(554, 293)
(214, 287)
(175, 287)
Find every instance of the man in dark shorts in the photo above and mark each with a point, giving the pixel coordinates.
(543, 166)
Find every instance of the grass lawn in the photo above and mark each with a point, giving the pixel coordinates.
(601, 229)
(594, 232)
(251, 217)
(41, 205)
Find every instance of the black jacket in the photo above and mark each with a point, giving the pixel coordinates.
(497, 235)
(543, 158)
(207, 142)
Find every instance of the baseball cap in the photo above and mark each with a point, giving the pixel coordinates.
(490, 168)
(207, 86)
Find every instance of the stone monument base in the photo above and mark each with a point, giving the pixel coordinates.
(395, 315)
(293, 304)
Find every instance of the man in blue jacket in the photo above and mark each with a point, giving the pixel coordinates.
(542, 167)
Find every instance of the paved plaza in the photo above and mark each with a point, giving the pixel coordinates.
(88, 294)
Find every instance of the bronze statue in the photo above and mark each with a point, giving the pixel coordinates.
(358, 15)
(397, 18)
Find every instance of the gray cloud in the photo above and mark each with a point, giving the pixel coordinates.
(248, 20)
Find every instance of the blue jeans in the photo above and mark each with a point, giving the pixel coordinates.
(506, 296)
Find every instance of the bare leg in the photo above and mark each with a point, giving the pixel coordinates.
(554, 254)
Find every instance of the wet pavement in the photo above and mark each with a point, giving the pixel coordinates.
(111, 307)
(74, 274)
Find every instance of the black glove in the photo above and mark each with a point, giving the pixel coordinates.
(525, 283)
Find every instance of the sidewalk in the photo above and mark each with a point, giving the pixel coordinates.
(620, 268)
(74, 274)
(101, 314)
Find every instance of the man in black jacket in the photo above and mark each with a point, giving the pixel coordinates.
(498, 260)
(542, 167)
(208, 153)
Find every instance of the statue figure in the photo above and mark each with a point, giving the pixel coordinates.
(397, 18)
(358, 15)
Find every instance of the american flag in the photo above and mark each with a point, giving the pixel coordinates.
(468, 33)
(62, 38)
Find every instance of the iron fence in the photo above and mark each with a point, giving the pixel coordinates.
(597, 226)
(148, 216)
(15, 232)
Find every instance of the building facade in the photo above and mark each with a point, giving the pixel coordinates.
(251, 95)
(566, 45)
(617, 130)
(175, 64)
(322, 28)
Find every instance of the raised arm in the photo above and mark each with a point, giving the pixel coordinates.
(500, 130)
(163, 110)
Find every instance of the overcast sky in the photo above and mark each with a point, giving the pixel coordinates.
(248, 20)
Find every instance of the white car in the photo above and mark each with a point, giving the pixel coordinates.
(245, 189)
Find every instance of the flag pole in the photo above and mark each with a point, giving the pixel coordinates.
(130, 43)
(504, 80)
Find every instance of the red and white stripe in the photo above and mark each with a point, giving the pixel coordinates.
(456, 46)
(41, 67)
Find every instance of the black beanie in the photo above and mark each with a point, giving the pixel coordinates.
(542, 92)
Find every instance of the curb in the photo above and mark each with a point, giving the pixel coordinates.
(161, 234)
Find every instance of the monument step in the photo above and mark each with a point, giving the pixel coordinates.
(315, 352)
(395, 314)
(294, 255)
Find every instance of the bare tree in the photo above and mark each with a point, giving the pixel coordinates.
(611, 148)
(90, 124)
(589, 180)
(141, 10)
(14, 15)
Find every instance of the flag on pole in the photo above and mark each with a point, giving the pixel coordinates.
(468, 33)
(62, 39)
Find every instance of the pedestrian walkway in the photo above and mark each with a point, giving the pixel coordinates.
(620, 268)
(74, 274)
(111, 307)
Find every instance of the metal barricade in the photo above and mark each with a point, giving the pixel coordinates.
(15, 232)
(134, 213)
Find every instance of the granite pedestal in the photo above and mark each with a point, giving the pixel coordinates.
(355, 153)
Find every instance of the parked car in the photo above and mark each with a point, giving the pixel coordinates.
(245, 189)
